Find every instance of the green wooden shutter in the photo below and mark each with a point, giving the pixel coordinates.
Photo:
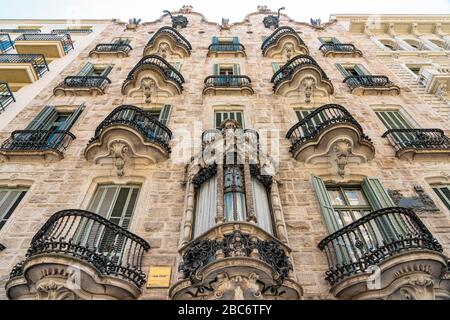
(235, 40)
(342, 70)
(335, 40)
(165, 114)
(443, 192)
(9, 200)
(72, 118)
(86, 70)
(328, 213)
(47, 114)
(215, 40)
(106, 71)
(275, 66)
(393, 119)
(236, 69)
(361, 70)
(216, 69)
(376, 194)
(177, 66)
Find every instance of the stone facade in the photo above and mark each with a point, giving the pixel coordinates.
(163, 203)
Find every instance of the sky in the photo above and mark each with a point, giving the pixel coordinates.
(235, 10)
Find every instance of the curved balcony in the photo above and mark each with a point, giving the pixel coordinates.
(393, 241)
(80, 248)
(326, 131)
(340, 49)
(129, 135)
(6, 96)
(231, 49)
(369, 84)
(167, 41)
(233, 84)
(119, 50)
(301, 73)
(284, 42)
(235, 260)
(52, 46)
(28, 144)
(82, 85)
(151, 78)
(419, 144)
(20, 70)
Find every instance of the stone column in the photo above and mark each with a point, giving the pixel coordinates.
(278, 213)
(251, 217)
(188, 213)
(430, 45)
(404, 45)
(219, 211)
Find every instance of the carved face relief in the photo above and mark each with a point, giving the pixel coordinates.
(308, 84)
(163, 50)
(342, 149)
(118, 151)
(237, 287)
(148, 86)
(50, 290)
(288, 51)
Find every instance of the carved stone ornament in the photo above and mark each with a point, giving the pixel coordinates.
(51, 290)
(420, 203)
(288, 51)
(342, 150)
(186, 9)
(263, 9)
(225, 25)
(148, 86)
(308, 84)
(163, 50)
(118, 150)
(178, 22)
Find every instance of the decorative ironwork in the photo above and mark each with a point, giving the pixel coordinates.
(272, 21)
(168, 71)
(113, 47)
(111, 249)
(65, 39)
(99, 82)
(418, 139)
(174, 34)
(6, 43)
(2, 247)
(68, 31)
(286, 72)
(38, 140)
(230, 81)
(6, 96)
(266, 180)
(204, 175)
(276, 35)
(151, 129)
(229, 47)
(20, 31)
(374, 238)
(319, 120)
(202, 252)
(368, 81)
(420, 203)
(38, 61)
(338, 47)
(179, 21)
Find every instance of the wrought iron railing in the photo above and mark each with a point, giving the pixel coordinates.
(68, 31)
(368, 81)
(231, 81)
(276, 35)
(6, 96)
(5, 43)
(2, 247)
(38, 61)
(169, 72)
(338, 47)
(319, 120)
(286, 72)
(111, 249)
(174, 34)
(65, 39)
(113, 47)
(419, 139)
(38, 140)
(20, 31)
(99, 82)
(226, 47)
(374, 238)
(136, 118)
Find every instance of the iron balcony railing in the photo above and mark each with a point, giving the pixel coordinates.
(319, 120)
(151, 129)
(286, 72)
(374, 238)
(174, 34)
(231, 81)
(85, 82)
(113, 47)
(169, 72)
(2, 247)
(419, 139)
(38, 61)
(6, 96)
(38, 140)
(65, 39)
(338, 47)
(68, 31)
(368, 81)
(5, 43)
(20, 31)
(276, 35)
(226, 47)
(111, 249)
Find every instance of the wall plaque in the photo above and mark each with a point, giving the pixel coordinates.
(159, 277)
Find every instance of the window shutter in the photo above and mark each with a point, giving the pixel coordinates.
(235, 40)
(216, 69)
(9, 200)
(361, 70)
(44, 117)
(376, 194)
(236, 70)
(219, 117)
(443, 192)
(342, 70)
(329, 215)
(264, 38)
(72, 118)
(165, 114)
(335, 40)
(177, 66)
(275, 66)
(215, 40)
(86, 70)
(107, 70)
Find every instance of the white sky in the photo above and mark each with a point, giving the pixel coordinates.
(214, 10)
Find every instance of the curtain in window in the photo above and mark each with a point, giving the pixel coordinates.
(234, 194)
(262, 207)
(206, 205)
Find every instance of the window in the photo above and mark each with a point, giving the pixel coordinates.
(352, 70)
(221, 116)
(9, 200)
(226, 69)
(393, 119)
(90, 70)
(234, 193)
(443, 192)
(329, 40)
(52, 119)
(121, 41)
(302, 113)
(225, 41)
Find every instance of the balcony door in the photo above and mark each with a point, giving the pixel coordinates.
(393, 119)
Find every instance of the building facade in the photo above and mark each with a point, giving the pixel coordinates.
(265, 159)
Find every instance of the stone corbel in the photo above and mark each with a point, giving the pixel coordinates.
(441, 91)
(51, 290)
(148, 86)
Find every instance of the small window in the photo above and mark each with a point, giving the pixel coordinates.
(226, 70)
(221, 116)
(9, 200)
(121, 41)
(352, 70)
(443, 192)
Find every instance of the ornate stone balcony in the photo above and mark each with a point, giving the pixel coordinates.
(330, 132)
(79, 255)
(419, 144)
(82, 85)
(166, 42)
(234, 84)
(302, 74)
(151, 78)
(20, 70)
(284, 43)
(436, 80)
(52, 46)
(387, 254)
(369, 84)
(129, 135)
(340, 49)
(119, 50)
(224, 50)
(235, 261)
(6, 43)
(40, 144)
(6, 96)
